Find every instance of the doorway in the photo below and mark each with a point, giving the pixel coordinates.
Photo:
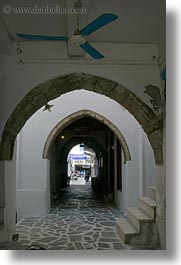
(83, 149)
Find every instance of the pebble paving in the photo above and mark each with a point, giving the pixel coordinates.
(79, 220)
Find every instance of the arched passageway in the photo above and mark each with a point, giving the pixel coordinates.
(41, 94)
(34, 135)
(97, 136)
(81, 114)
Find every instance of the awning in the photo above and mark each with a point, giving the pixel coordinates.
(78, 157)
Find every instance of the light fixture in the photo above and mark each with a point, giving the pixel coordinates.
(48, 107)
(62, 137)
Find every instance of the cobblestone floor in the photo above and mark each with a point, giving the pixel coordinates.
(81, 220)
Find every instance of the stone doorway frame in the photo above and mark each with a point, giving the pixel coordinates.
(81, 114)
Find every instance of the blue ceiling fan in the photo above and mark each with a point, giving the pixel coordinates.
(79, 37)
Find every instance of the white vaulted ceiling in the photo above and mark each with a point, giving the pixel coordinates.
(138, 21)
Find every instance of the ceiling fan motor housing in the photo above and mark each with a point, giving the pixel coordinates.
(77, 40)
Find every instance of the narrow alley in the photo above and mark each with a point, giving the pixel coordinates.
(79, 219)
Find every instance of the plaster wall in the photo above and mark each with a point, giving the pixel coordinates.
(9, 200)
(134, 66)
(147, 168)
(32, 173)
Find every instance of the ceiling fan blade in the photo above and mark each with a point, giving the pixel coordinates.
(41, 37)
(98, 23)
(91, 51)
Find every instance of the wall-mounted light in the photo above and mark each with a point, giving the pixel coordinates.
(62, 137)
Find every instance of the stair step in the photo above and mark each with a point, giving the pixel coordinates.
(150, 202)
(136, 216)
(125, 229)
(148, 206)
(152, 188)
(152, 192)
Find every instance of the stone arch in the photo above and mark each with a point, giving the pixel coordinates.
(44, 92)
(95, 145)
(81, 114)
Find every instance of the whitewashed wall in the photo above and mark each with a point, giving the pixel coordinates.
(131, 65)
(10, 199)
(32, 176)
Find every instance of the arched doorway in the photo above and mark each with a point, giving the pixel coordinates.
(95, 135)
(41, 94)
(152, 123)
(81, 114)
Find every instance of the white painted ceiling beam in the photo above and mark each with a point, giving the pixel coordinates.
(5, 41)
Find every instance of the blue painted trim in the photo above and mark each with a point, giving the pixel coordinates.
(164, 75)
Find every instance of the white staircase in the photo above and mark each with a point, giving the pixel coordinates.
(139, 227)
(152, 192)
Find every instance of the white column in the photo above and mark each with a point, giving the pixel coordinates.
(141, 163)
(115, 167)
(124, 195)
(18, 161)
